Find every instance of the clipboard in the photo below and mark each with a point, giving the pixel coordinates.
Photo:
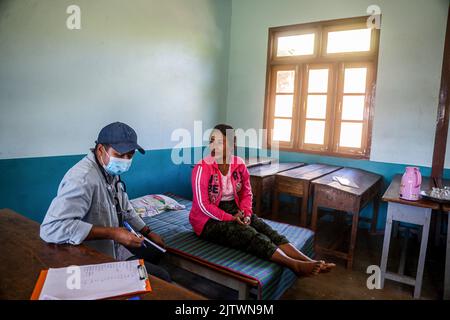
(142, 271)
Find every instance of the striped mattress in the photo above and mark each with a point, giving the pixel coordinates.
(272, 278)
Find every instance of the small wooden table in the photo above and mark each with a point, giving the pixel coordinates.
(331, 194)
(296, 182)
(415, 212)
(262, 179)
(446, 209)
(24, 255)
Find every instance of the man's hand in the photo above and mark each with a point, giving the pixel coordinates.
(126, 238)
(156, 238)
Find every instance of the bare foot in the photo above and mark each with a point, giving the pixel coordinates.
(326, 266)
(303, 268)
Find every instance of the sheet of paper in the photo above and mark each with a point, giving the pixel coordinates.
(155, 245)
(95, 282)
(345, 182)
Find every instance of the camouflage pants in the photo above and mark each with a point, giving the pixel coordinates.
(258, 238)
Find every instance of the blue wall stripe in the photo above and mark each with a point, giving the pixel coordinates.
(28, 185)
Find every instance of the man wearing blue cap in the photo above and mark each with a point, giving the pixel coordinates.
(92, 205)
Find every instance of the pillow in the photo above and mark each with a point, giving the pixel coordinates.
(154, 204)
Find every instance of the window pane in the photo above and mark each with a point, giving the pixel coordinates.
(314, 132)
(296, 45)
(353, 108)
(355, 80)
(283, 105)
(318, 81)
(351, 134)
(282, 130)
(285, 81)
(316, 106)
(349, 41)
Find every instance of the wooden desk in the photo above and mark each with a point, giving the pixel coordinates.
(24, 255)
(331, 194)
(297, 182)
(252, 162)
(414, 212)
(262, 179)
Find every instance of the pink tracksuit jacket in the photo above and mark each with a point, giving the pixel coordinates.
(207, 192)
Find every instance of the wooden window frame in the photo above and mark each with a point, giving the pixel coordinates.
(335, 62)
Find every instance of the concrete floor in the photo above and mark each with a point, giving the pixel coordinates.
(352, 284)
(342, 283)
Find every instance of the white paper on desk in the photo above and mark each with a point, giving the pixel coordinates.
(98, 281)
(345, 182)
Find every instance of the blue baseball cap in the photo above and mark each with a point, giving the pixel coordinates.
(120, 137)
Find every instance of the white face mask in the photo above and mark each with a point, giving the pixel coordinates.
(117, 166)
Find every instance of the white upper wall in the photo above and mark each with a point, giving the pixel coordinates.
(156, 65)
(409, 68)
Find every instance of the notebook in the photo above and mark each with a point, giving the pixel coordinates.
(96, 281)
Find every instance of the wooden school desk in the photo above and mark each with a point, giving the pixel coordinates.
(331, 194)
(297, 183)
(24, 255)
(262, 179)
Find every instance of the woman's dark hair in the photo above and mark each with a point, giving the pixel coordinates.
(223, 129)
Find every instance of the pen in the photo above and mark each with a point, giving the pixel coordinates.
(129, 228)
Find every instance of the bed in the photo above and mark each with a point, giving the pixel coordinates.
(250, 276)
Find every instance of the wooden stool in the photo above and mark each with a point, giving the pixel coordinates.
(331, 194)
(296, 182)
(262, 179)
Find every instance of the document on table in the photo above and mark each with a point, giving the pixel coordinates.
(345, 182)
(91, 282)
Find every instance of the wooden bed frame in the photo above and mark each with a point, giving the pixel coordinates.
(233, 280)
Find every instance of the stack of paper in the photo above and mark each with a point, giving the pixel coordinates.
(90, 282)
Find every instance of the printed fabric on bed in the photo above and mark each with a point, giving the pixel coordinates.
(153, 204)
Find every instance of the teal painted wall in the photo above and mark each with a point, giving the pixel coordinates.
(29, 185)
(161, 65)
(387, 170)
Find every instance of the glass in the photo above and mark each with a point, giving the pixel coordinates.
(316, 107)
(351, 135)
(349, 41)
(298, 45)
(353, 107)
(283, 105)
(318, 81)
(285, 81)
(355, 80)
(314, 131)
(282, 130)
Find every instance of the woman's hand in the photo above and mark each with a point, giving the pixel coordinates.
(238, 219)
(247, 220)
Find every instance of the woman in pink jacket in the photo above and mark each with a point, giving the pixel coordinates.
(222, 209)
